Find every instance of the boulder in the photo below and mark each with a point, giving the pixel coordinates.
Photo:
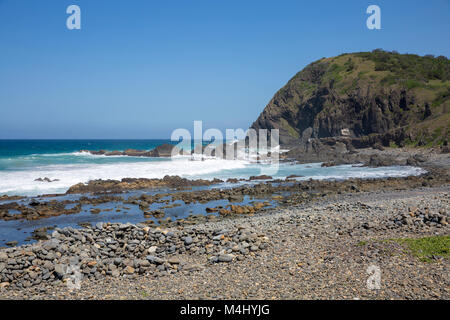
(165, 150)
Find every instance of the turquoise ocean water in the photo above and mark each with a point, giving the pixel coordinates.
(24, 161)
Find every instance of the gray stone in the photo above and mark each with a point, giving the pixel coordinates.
(152, 249)
(225, 258)
(154, 260)
(218, 238)
(56, 235)
(243, 251)
(125, 226)
(50, 256)
(3, 256)
(161, 267)
(60, 270)
(188, 240)
(193, 267)
(144, 263)
(51, 244)
(48, 265)
(173, 260)
(112, 267)
(115, 273)
(74, 260)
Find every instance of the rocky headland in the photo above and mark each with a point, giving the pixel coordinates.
(364, 99)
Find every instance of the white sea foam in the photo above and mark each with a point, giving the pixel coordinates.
(350, 171)
(23, 181)
(90, 155)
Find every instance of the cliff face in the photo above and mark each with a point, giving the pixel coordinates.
(370, 96)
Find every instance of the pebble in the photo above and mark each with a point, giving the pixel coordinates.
(129, 270)
(154, 259)
(226, 258)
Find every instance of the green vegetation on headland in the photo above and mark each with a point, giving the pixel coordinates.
(378, 97)
(409, 67)
(427, 248)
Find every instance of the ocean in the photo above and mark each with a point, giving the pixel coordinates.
(24, 161)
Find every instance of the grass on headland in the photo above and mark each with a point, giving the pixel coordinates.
(425, 248)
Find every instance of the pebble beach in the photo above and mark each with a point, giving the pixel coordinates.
(321, 250)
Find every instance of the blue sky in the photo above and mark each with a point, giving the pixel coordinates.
(139, 69)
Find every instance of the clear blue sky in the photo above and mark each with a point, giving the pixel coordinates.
(139, 69)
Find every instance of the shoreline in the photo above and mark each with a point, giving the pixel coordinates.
(179, 201)
(318, 250)
(369, 157)
(169, 192)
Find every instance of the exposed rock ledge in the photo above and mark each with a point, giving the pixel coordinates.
(164, 150)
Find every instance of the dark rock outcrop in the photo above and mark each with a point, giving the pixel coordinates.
(164, 150)
(364, 98)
